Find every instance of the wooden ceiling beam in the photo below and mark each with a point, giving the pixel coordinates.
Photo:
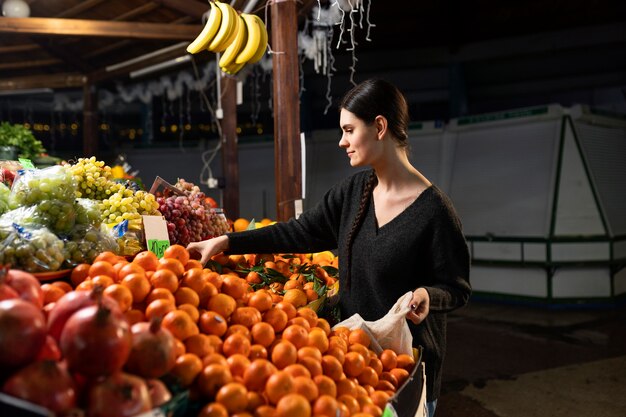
(97, 28)
(67, 80)
(31, 63)
(138, 11)
(72, 59)
(18, 48)
(191, 8)
(83, 6)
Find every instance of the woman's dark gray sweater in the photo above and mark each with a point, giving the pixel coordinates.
(421, 247)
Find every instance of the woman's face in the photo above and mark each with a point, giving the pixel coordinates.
(359, 139)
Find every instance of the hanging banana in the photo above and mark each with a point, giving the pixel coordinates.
(253, 23)
(228, 28)
(208, 32)
(236, 45)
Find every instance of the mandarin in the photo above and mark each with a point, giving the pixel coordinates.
(188, 366)
(212, 378)
(293, 405)
(283, 354)
(172, 264)
(177, 252)
(138, 285)
(102, 268)
(147, 260)
(79, 273)
(180, 324)
(212, 322)
(257, 374)
(164, 278)
(278, 385)
(223, 304)
(233, 396)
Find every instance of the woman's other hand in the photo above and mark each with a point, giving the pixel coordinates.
(420, 306)
(208, 248)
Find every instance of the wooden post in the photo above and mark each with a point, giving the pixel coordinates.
(288, 167)
(230, 156)
(90, 120)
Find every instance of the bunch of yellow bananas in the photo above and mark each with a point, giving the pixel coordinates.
(242, 38)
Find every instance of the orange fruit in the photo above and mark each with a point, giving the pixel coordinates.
(406, 361)
(401, 375)
(277, 318)
(260, 300)
(198, 344)
(214, 358)
(323, 324)
(325, 385)
(295, 296)
(389, 377)
(194, 279)
(300, 321)
(212, 378)
(193, 264)
(359, 336)
(138, 285)
(256, 375)
(246, 316)
(212, 323)
(236, 343)
(233, 396)
(296, 334)
(51, 293)
(389, 359)
(318, 339)
(177, 252)
(238, 328)
(121, 294)
(106, 256)
(147, 260)
(306, 387)
(278, 385)
(262, 333)
(376, 365)
(238, 364)
(257, 352)
(213, 410)
(102, 268)
(62, 285)
(255, 400)
(297, 369)
(325, 405)
(172, 264)
(134, 316)
(332, 367)
(284, 353)
(265, 411)
(353, 364)
(130, 268)
(313, 365)
(187, 368)
(291, 284)
(309, 351)
(384, 385)
(223, 304)
(346, 386)
(240, 224)
(309, 314)
(160, 293)
(368, 377)
(214, 278)
(86, 285)
(102, 280)
(293, 405)
(234, 286)
(337, 342)
(372, 409)
(287, 308)
(119, 265)
(380, 398)
(341, 331)
(357, 347)
(253, 277)
(192, 310)
(164, 278)
(350, 402)
(185, 295)
(79, 273)
(179, 324)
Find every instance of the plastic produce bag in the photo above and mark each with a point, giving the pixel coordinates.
(32, 249)
(85, 242)
(87, 212)
(35, 185)
(390, 331)
(5, 192)
(22, 216)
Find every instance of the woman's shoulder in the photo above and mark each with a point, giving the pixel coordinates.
(441, 203)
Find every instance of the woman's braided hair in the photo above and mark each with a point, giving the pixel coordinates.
(369, 99)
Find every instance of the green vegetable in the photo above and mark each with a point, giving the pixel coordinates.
(22, 138)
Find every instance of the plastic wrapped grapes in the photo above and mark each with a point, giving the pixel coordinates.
(85, 242)
(5, 192)
(60, 216)
(32, 249)
(22, 216)
(87, 212)
(52, 183)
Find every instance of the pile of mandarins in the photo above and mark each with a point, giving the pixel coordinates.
(244, 352)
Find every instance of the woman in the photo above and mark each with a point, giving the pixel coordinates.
(394, 230)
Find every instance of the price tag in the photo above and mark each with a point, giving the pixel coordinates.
(26, 163)
(158, 246)
(157, 238)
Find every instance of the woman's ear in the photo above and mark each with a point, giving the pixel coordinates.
(381, 126)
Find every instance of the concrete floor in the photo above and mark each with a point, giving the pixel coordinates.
(519, 361)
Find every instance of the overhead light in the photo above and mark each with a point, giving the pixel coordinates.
(26, 91)
(15, 8)
(147, 56)
(160, 66)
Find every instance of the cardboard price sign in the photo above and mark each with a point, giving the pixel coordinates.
(157, 238)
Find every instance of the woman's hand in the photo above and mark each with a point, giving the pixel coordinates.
(208, 248)
(420, 306)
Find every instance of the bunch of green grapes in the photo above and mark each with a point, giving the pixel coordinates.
(31, 249)
(128, 205)
(59, 216)
(22, 216)
(34, 186)
(94, 179)
(85, 243)
(5, 192)
(87, 212)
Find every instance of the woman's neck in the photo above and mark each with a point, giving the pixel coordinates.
(397, 174)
